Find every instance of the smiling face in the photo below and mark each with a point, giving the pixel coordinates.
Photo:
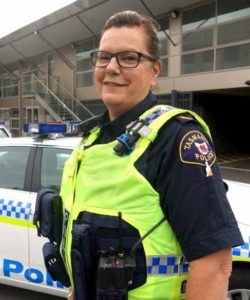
(122, 88)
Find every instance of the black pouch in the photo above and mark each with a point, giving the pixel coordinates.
(79, 275)
(48, 217)
(83, 261)
(106, 234)
(54, 264)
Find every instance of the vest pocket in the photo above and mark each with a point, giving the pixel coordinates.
(102, 233)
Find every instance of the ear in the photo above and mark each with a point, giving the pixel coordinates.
(156, 69)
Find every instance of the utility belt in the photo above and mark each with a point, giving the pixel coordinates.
(48, 219)
(103, 266)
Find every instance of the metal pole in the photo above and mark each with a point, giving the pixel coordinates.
(20, 106)
(174, 96)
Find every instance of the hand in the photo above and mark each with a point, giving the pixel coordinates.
(70, 296)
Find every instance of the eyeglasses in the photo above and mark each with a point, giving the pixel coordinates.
(125, 59)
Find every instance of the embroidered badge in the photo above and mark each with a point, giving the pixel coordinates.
(195, 149)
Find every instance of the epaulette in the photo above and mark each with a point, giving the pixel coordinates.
(185, 118)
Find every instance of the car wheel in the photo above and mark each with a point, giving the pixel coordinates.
(239, 284)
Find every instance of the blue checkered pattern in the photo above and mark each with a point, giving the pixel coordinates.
(166, 265)
(155, 114)
(243, 251)
(15, 209)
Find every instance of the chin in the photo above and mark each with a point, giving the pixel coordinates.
(113, 99)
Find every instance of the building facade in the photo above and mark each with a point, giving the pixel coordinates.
(46, 73)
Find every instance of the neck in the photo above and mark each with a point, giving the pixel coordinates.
(114, 114)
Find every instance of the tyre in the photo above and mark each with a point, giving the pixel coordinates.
(239, 284)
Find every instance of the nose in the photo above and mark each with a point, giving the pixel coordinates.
(113, 65)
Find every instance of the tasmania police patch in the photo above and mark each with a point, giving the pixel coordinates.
(195, 149)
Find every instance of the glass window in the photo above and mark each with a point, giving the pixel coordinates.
(8, 86)
(85, 47)
(14, 90)
(233, 57)
(14, 123)
(6, 92)
(52, 166)
(197, 62)
(164, 46)
(84, 64)
(164, 70)
(13, 161)
(229, 10)
(234, 32)
(14, 113)
(198, 17)
(164, 43)
(198, 33)
(198, 40)
(3, 133)
(84, 79)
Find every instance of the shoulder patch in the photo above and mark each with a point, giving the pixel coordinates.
(185, 118)
(195, 149)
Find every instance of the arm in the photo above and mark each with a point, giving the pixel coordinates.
(208, 276)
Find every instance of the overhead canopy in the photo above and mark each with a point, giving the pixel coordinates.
(82, 19)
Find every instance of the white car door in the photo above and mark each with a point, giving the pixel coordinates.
(48, 172)
(15, 205)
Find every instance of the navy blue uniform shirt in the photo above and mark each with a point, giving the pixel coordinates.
(192, 195)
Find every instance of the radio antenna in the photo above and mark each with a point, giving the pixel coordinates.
(136, 245)
(120, 247)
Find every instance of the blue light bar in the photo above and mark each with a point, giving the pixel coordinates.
(44, 128)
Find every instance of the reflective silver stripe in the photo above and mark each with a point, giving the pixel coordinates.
(155, 114)
(168, 265)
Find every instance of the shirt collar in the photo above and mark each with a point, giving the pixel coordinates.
(112, 129)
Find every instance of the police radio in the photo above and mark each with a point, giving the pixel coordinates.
(115, 271)
(116, 268)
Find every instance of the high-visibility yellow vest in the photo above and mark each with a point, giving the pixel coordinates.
(106, 184)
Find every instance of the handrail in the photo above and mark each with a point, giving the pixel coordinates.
(54, 95)
(73, 97)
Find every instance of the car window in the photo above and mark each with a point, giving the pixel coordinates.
(3, 134)
(13, 161)
(52, 166)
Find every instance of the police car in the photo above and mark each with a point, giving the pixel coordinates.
(239, 198)
(4, 133)
(26, 166)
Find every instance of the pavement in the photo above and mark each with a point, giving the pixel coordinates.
(13, 293)
(235, 167)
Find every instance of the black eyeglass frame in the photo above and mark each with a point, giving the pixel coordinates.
(93, 56)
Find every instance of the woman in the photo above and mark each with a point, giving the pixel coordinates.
(159, 182)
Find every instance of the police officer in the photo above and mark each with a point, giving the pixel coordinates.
(158, 184)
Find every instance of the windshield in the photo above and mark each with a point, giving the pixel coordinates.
(3, 133)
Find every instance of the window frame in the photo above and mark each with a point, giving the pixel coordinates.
(36, 177)
(215, 46)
